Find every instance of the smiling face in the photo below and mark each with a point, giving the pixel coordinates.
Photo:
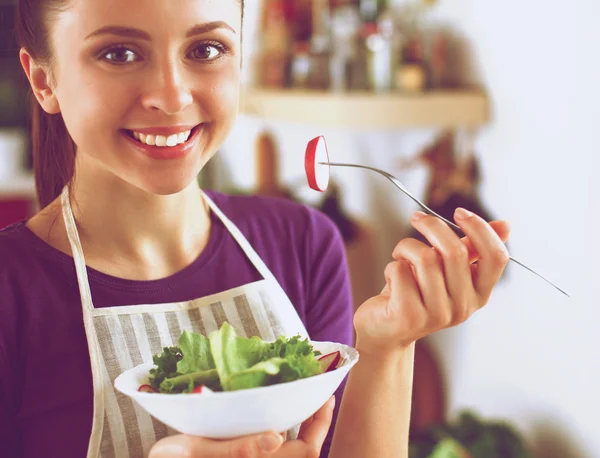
(148, 89)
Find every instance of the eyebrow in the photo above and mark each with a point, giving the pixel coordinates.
(137, 33)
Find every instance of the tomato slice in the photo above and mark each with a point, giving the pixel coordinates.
(316, 164)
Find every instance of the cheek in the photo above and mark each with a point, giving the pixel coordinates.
(92, 106)
(224, 98)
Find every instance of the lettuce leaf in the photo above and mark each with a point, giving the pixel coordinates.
(228, 362)
(197, 356)
(187, 382)
(234, 354)
(166, 366)
(261, 374)
(245, 363)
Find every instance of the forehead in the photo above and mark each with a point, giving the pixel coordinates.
(157, 17)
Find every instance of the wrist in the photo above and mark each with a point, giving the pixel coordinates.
(385, 356)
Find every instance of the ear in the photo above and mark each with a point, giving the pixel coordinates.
(40, 83)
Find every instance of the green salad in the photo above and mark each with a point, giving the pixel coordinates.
(224, 361)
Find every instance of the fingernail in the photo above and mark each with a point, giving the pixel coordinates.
(462, 214)
(271, 442)
(418, 215)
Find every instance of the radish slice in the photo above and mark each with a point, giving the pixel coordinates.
(316, 173)
(202, 389)
(330, 361)
(146, 389)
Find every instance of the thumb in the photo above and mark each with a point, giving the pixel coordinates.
(183, 446)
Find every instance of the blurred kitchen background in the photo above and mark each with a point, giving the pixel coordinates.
(488, 105)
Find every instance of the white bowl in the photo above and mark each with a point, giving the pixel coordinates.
(225, 415)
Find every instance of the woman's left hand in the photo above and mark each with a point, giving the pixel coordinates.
(429, 289)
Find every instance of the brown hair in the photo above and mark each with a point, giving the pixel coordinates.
(53, 148)
(52, 145)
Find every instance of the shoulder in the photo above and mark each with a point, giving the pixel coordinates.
(12, 245)
(280, 217)
(15, 263)
(25, 258)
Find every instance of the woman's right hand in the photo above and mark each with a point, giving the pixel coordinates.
(266, 445)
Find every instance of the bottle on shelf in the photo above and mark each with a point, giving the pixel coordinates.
(319, 75)
(345, 25)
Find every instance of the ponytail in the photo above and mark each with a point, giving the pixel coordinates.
(53, 153)
(53, 148)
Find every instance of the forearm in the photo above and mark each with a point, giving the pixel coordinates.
(374, 417)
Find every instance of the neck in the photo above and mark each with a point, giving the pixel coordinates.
(133, 234)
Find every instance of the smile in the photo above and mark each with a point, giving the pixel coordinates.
(164, 143)
(162, 140)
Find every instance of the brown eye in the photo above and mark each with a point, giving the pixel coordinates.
(207, 52)
(121, 56)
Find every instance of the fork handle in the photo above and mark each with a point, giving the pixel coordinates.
(451, 224)
(397, 183)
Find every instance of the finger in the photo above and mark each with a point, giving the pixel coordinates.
(182, 446)
(315, 433)
(307, 422)
(455, 259)
(427, 267)
(493, 255)
(500, 227)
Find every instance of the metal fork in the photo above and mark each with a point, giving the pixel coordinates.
(402, 188)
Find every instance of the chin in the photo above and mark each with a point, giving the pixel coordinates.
(165, 178)
(167, 184)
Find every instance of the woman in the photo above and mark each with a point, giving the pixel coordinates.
(133, 97)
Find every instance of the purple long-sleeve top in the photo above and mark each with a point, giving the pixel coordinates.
(45, 378)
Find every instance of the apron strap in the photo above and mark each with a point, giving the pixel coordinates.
(87, 308)
(242, 241)
(292, 320)
(76, 248)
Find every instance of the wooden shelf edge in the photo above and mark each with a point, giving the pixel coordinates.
(445, 109)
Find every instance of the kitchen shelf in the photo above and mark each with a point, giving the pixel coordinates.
(18, 187)
(435, 109)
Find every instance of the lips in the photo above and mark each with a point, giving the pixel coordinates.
(164, 143)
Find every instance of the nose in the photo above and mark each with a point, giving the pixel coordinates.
(167, 91)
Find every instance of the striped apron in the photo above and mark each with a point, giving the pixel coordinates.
(120, 338)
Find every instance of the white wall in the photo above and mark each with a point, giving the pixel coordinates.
(531, 356)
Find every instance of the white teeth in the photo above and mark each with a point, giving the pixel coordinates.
(172, 140)
(162, 140)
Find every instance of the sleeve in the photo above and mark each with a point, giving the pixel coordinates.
(9, 374)
(328, 292)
